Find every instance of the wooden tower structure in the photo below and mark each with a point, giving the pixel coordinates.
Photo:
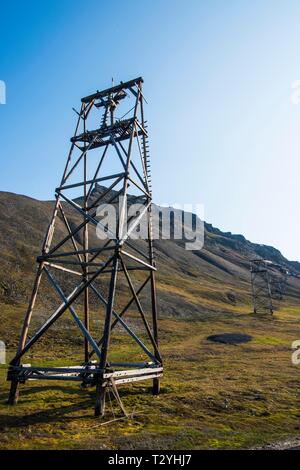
(119, 272)
(261, 288)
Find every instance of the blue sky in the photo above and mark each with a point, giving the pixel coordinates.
(218, 79)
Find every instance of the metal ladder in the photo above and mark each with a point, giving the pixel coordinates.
(148, 184)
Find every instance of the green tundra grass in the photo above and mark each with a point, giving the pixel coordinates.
(213, 396)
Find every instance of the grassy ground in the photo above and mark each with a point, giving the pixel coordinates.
(213, 395)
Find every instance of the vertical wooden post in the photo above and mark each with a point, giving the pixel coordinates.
(156, 381)
(100, 384)
(85, 247)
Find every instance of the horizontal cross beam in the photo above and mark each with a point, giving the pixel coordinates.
(114, 89)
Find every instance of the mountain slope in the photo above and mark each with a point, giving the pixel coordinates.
(215, 278)
(213, 396)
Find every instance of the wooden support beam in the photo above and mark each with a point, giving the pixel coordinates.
(111, 90)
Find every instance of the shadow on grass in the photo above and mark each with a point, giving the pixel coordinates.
(26, 390)
(64, 413)
(82, 409)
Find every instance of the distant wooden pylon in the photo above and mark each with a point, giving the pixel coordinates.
(260, 285)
